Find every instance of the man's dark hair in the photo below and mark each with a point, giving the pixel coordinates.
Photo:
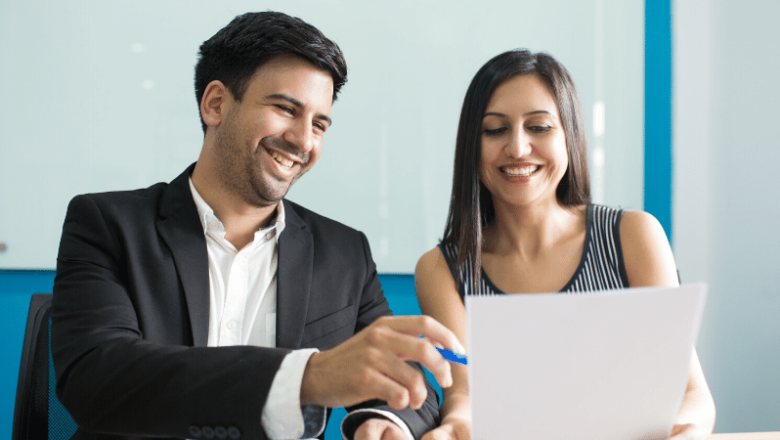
(235, 53)
(471, 204)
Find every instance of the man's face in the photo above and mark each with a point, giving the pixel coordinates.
(274, 134)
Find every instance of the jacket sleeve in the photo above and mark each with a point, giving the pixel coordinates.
(373, 306)
(114, 379)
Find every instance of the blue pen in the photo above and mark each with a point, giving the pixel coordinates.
(452, 356)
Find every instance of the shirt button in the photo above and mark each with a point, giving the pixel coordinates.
(269, 235)
(232, 325)
(214, 224)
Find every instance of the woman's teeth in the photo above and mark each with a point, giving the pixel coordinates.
(519, 171)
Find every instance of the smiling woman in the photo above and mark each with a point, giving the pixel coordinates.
(521, 221)
(523, 143)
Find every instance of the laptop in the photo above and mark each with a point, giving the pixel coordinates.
(605, 365)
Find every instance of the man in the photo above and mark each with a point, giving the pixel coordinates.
(196, 309)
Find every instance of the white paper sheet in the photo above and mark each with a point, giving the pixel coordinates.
(611, 365)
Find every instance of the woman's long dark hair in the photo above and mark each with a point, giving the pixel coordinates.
(471, 204)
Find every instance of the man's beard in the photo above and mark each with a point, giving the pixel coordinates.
(243, 169)
(267, 187)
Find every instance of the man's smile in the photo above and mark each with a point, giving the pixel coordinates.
(285, 162)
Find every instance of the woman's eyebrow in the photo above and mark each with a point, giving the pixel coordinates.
(533, 112)
(500, 115)
(536, 112)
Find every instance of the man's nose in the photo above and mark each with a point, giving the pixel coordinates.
(300, 134)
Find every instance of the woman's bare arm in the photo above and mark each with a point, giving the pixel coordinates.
(649, 262)
(438, 297)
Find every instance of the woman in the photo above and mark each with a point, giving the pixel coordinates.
(521, 220)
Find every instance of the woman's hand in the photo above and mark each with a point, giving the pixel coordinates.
(689, 432)
(451, 428)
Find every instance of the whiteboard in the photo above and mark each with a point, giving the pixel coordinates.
(98, 96)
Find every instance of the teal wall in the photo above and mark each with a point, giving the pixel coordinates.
(16, 287)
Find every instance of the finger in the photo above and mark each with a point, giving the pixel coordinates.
(409, 378)
(377, 385)
(424, 325)
(686, 432)
(410, 393)
(408, 347)
(401, 373)
(394, 432)
(368, 431)
(379, 428)
(440, 433)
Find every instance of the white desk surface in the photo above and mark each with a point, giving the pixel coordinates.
(747, 436)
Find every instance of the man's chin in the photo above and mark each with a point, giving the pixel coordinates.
(264, 197)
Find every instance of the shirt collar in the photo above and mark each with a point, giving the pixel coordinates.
(207, 217)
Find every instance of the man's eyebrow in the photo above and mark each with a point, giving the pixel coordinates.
(298, 104)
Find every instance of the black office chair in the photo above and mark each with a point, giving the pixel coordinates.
(38, 414)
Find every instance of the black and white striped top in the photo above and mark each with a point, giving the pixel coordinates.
(601, 266)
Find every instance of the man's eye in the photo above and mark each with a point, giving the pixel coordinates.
(286, 109)
(494, 131)
(319, 126)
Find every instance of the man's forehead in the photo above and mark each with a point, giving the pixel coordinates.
(281, 66)
(296, 78)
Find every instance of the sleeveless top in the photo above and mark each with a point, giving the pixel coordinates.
(601, 265)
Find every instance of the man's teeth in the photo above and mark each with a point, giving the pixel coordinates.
(282, 160)
(520, 172)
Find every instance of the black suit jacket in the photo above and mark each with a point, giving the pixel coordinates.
(131, 309)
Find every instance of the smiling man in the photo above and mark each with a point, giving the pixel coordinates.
(211, 307)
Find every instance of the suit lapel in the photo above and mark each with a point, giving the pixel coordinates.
(182, 231)
(294, 273)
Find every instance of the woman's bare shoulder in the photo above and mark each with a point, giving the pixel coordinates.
(431, 262)
(646, 251)
(433, 280)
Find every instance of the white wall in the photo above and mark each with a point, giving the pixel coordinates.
(726, 230)
(97, 96)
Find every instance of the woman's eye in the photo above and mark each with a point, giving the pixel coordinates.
(494, 131)
(539, 128)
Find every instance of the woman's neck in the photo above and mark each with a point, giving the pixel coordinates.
(528, 231)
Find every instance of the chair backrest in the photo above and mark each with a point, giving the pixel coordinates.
(38, 414)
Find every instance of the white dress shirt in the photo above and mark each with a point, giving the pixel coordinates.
(242, 311)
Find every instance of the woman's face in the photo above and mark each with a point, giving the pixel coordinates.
(523, 147)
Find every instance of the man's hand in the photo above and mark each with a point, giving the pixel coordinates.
(379, 429)
(371, 364)
(451, 428)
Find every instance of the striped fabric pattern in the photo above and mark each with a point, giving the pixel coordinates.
(601, 266)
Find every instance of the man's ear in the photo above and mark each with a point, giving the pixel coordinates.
(213, 105)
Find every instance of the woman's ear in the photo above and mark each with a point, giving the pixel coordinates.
(212, 105)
